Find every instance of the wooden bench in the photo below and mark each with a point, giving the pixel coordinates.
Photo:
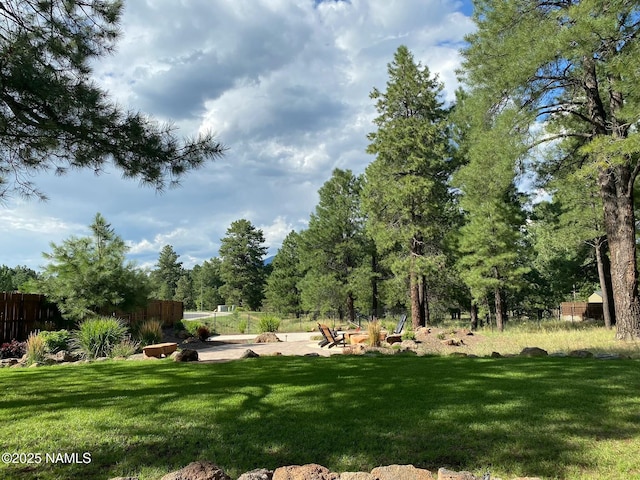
(160, 349)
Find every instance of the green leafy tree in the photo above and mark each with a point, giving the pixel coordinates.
(167, 274)
(242, 269)
(90, 275)
(282, 292)
(406, 196)
(53, 114)
(578, 79)
(334, 249)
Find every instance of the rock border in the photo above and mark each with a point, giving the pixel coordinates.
(205, 470)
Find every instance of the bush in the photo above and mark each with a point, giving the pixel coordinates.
(96, 337)
(125, 348)
(242, 326)
(268, 323)
(36, 349)
(203, 332)
(150, 332)
(56, 341)
(13, 349)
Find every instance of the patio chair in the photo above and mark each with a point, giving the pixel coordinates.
(332, 338)
(396, 335)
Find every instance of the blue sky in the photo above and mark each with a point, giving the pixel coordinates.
(285, 86)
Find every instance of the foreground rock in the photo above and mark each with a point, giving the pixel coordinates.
(204, 470)
(186, 355)
(198, 471)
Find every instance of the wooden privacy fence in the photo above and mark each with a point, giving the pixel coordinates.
(22, 313)
(166, 311)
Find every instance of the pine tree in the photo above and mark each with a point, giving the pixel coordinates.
(406, 198)
(54, 116)
(282, 292)
(578, 80)
(167, 274)
(242, 269)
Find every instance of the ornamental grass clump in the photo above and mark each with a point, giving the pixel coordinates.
(150, 332)
(36, 349)
(97, 336)
(125, 348)
(374, 329)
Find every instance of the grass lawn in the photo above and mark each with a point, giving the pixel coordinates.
(550, 417)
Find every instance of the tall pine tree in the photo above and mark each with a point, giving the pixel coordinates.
(406, 198)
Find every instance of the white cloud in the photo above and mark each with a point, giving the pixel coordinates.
(284, 83)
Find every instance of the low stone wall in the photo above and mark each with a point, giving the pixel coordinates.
(210, 471)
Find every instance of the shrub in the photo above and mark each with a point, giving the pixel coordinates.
(242, 326)
(150, 332)
(97, 336)
(268, 323)
(36, 349)
(373, 329)
(125, 348)
(13, 349)
(409, 335)
(203, 332)
(56, 341)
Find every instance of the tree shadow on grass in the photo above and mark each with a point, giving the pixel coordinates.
(515, 416)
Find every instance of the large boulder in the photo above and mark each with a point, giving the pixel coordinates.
(186, 355)
(310, 471)
(533, 352)
(248, 353)
(198, 471)
(268, 337)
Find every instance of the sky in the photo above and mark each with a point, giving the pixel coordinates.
(284, 85)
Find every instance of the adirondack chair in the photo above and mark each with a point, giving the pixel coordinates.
(396, 335)
(332, 338)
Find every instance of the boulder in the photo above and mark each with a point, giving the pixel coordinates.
(609, 356)
(444, 474)
(248, 353)
(268, 337)
(186, 355)
(401, 472)
(580, 354)
(198, 471)
(310, 471)
(533, 352)
(258, 474)
(62, 356)
(452, 342)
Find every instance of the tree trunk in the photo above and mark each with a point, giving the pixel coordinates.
(603, 282)
(414, 288)
(616, 188)
(499, 304)
(474, 316)
(351, 308)
(424, 302)
(374, 285)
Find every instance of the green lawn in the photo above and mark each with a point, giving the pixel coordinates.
(551, 417)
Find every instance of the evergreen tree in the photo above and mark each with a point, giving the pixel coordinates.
(578, 78)
(167, 274)
(406, 197)
(184, 291)
(242, 269)
(12, 279)
(90, 275)
(282, 292)
(53, 114)
(206, 284)
(333, 249)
